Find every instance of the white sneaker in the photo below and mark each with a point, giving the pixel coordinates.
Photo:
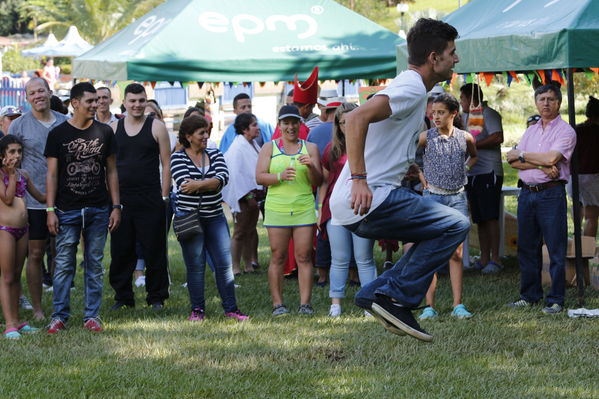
(140, 281)
(24, 303)
(367, 314)
(335, 310)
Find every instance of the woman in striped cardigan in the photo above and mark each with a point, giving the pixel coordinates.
(200, 173)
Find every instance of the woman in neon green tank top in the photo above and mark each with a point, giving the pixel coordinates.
(289, 167)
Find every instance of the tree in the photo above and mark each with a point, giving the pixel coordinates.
(10, 18)
(96, 20)
(375, 10)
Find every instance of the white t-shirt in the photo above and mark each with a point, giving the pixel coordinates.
(390, 147)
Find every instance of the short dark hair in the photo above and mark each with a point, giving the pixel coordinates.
(134, 88)
(290, 93)
(546, 88)
(105, 88)
(470, 88)
(592, 110)
(6, 141)
(79, 89)
(191, 110)
(243, 121)
(426, 36)
(190, 125)
(450, 101)
(57, 105)
(240, 96)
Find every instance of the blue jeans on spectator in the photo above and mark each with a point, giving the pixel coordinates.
(457, 201)
(92, 223)
(216, 242)
(542, 217)
(436, 230)
(344, 243)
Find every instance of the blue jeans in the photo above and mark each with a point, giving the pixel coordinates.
(92, 223)
(457, 201)
(343, 244)
(542, 217)
(216, 242)
(436, 230)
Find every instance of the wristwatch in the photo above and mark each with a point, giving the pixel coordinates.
(118, 206)
(521, 157)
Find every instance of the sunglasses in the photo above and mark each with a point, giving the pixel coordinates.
(534, 118)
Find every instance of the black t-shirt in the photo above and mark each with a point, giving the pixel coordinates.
(81, 158)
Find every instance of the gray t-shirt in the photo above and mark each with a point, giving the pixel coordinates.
(33, 135)
(489, 159)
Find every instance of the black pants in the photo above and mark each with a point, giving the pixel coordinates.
(143, 220)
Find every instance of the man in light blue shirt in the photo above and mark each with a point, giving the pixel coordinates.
(242, 103)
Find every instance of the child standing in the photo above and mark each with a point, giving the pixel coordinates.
(449, 154)
(13, 232)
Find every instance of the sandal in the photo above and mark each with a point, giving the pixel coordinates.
(12, 333)
(25, 328)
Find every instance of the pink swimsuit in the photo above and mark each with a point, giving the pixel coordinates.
(21, 189)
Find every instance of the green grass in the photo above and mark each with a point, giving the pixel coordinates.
(499, 353)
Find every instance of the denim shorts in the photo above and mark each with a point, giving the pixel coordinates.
(458, 201)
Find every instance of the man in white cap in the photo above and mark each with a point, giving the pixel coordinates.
(7, 115)
(322, 100)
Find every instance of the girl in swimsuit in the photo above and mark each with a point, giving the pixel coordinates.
(13, 232)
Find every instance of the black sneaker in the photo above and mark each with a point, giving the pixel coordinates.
(400, 317)
(157, 306)
(388, 326)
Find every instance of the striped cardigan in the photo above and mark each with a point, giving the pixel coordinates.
(182, 167)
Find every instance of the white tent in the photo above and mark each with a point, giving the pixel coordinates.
(72, 45)
(50, 43)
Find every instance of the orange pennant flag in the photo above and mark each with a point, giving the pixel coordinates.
(557, 77)
(596, 70)
(542, 75)
(488, 77)
(453, 78)
(514, 75)
(153, 84)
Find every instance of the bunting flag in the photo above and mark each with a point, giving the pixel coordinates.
(262, 84)
(184, 84)
(200, 84)
(596, 70)
(454, 77)
(541, 75)
(558, 77)
(488, 76)
(514, 75)
(589, 74)
(529, 77)
(468, 78)
(508, 78)
(153, 84)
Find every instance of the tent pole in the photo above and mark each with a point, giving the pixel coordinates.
(580, 273)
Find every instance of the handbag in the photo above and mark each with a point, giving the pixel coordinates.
(189, 224)
(476, 120)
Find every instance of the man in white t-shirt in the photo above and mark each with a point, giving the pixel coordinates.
(368, 199)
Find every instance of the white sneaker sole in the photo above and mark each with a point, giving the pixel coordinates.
(389, 318)
(388, 326)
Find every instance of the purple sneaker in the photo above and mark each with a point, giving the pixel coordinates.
(196, 315)
(237, 315)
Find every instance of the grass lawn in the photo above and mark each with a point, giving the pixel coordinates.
(499, 353)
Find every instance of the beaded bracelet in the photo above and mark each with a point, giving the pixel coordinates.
(358, 177)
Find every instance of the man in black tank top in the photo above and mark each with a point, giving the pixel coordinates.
(142, 144)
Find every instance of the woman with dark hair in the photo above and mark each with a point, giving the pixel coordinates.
(242, 194)
(587, 143)
(343, 242)
(290, 167)
(200, 173)
(449, 153)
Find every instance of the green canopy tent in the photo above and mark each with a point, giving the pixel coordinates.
(519, 36)
(243, 41)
